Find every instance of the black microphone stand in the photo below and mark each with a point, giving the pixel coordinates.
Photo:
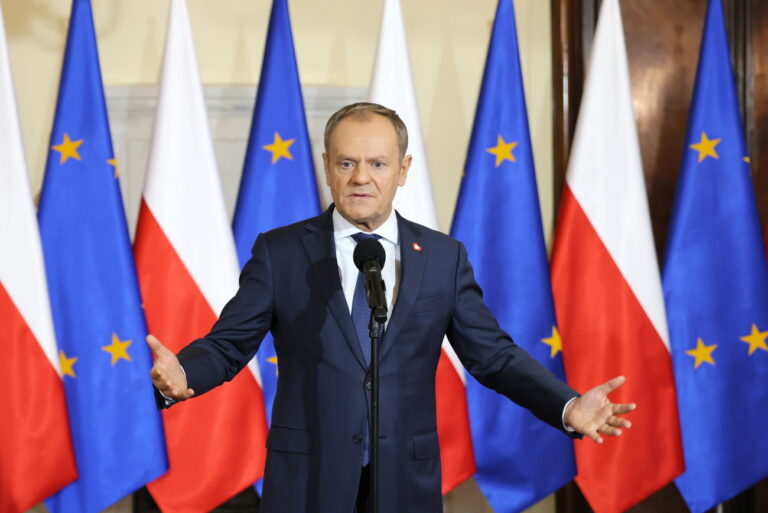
(369, 257)
(375, 328)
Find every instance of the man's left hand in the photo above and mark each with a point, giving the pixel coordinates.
(593, 414)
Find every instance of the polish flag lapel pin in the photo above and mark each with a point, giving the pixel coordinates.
(416, 247)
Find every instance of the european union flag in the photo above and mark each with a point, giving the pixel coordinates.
(278, 186)
(116, 429)
(519, 459)
(715, 280)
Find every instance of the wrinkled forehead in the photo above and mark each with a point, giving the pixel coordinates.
(360, 127)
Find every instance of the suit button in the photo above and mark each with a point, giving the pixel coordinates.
(368, 385)
(357, 439)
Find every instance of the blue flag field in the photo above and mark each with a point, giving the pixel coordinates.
(117, 431)
(278, 185)
(715, 277)
(520, 460)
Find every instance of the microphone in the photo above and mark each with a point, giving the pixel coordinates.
(369, 258)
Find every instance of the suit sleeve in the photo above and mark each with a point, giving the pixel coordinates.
(237, 335)
(490, 355)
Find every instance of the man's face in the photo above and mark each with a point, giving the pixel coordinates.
(363, 169)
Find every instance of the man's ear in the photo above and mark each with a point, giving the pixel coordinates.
(405, 165)
(325, 167)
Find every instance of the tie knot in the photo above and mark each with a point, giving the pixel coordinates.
(361, 236)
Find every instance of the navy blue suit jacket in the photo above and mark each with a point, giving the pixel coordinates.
(291, 286)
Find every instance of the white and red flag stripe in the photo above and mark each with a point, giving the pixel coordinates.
(187, 271)
(607, 288)
(36, 457)
(392, 86)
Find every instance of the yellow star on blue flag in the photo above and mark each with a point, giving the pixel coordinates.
(503, 150)
(67, 365)
(118, 349)
(67, 148)
(706, 147)
(756, 340)
(279, 148)
(702, 353)
(554, 342)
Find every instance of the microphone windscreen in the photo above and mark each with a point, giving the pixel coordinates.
(369, 249)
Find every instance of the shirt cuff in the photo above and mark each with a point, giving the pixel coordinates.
(567, 428)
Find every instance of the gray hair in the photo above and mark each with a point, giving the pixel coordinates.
(362, 110)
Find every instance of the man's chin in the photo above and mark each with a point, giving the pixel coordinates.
(355, 215)
(360, 218)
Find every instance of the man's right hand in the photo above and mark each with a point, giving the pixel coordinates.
(167, 374)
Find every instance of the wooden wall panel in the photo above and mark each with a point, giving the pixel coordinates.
(568, 75)
(758, 112)
(662, 38)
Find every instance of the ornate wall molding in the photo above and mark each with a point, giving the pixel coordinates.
(230, 108)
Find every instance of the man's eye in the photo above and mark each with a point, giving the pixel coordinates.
(346, 164)
(378, 165)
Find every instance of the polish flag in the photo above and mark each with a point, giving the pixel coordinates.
(392, 86)
(188, 270)
(607, 288)
(36, 457)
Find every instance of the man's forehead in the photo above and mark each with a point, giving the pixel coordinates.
(356, 128)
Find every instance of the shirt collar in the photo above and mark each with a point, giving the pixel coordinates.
(343, 228)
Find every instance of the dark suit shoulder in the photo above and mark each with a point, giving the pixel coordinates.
(420, 232)
(300, 228)
(287, 236)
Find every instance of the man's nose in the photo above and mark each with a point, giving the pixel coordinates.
(361, 175)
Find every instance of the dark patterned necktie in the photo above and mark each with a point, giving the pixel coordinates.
(361, 316)
(361, 313)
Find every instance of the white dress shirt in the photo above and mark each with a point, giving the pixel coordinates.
(343, 231)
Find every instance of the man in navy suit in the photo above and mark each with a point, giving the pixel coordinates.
(300, 283)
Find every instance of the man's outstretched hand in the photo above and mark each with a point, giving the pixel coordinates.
(593, 414)
(167, 374)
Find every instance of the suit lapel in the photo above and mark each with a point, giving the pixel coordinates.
(319, 247)
(411, 271)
